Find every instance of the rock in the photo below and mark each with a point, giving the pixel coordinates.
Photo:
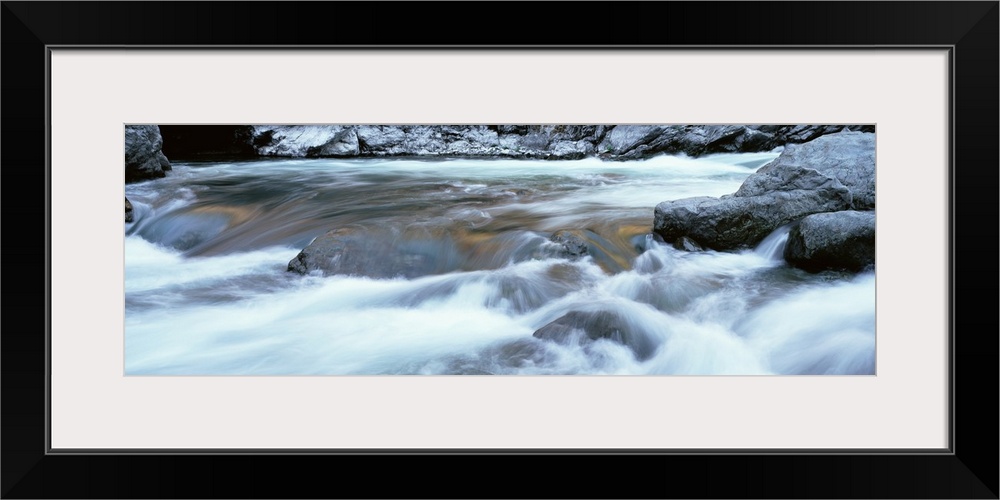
(593, 325)
(687, 244)
(579, 243)
(556, 142)
(640, 141)
(144, 158)
(377, 253)
(838, 240)
(567, 150)
(848, 157)
(292, 140)
(819, 176)
(128, 210)
(643, 141)
(572, 245)
(734, 222)
(343, 144)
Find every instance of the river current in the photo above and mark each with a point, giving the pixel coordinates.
(208, 291)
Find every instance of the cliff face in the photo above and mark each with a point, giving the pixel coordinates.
(553, 142)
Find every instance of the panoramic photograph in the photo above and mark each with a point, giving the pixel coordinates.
(628, 249)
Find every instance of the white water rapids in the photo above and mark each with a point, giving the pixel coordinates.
(207, 291)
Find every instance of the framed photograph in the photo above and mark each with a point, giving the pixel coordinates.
(349, 251)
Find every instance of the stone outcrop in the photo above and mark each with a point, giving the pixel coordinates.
(837, 240)
(129, 216)
(828, 174)
(144, 158)
(554, 142)
(612, 142)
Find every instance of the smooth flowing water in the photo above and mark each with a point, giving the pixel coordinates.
(207, 290)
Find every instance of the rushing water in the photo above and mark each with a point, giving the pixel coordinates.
(207, 289)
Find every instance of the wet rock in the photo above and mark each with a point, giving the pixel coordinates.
(687, 244)
(377, 253)
(848, 157)
(128, 211)
(593, 325)
(572, 244)
(816, 177)
(144, 158)
(643, 242)
(843, 241)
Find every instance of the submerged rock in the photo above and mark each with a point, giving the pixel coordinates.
(832, 173)
(687, 244)
(838, 241)
(593, 325)
(144, 158)
(572, 244)
(377, 254)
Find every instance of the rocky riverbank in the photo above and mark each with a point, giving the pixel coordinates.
(146, 145)
(833, 174)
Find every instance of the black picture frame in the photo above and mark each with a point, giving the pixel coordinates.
(968, 470)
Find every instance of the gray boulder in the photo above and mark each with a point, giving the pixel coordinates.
(838, 240)
(144, 157)
(594, 325)
(819, 176)
(848, 157)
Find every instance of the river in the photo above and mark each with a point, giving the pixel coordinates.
(208, 291)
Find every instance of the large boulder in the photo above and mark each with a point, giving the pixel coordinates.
(848, 157)
(144, 158)
(838, 240)
(832, 173)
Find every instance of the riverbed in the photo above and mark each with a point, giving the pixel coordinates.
(208, 289)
